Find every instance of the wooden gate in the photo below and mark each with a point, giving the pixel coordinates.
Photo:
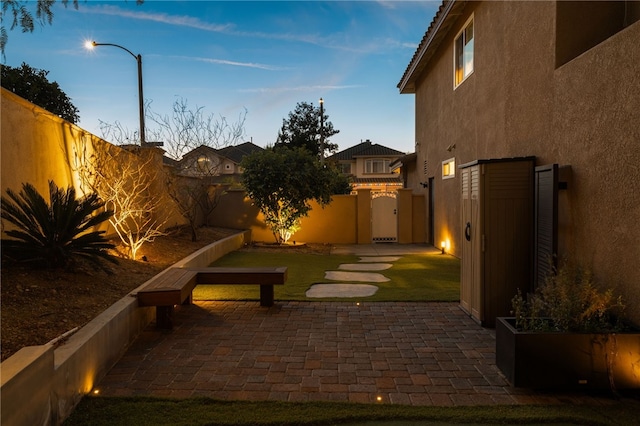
(384, 217)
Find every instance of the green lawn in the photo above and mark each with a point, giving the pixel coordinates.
(141, 411)
(413, 278)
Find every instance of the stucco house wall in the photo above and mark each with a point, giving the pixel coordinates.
(583, 113)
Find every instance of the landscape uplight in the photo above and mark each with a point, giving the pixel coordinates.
(90, 44)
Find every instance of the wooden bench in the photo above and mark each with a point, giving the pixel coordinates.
(176, 286)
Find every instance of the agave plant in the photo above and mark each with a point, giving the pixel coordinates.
(52, 234)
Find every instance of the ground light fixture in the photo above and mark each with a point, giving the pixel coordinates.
(90, 44)
(445, 245)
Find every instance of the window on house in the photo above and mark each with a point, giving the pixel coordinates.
(449, 168)
(376, 166)
(463, 53)
(345, 168)
(204, 164)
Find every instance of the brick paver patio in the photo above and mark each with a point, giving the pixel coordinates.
(404, 353)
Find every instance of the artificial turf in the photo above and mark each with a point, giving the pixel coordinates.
(413, 278)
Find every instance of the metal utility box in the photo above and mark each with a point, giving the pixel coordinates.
(497, 229)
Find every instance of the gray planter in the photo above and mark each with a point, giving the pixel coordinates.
(567, 360)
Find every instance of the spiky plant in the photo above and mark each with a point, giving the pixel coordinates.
(52, 234)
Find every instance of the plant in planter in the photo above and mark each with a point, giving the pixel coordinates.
(568, 334)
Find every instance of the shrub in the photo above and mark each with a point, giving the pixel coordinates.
(52, 234)
(569, 301)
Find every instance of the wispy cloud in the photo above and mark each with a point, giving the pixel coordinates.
(316, 88)
(179, 20)
(238, 64)
(335, 42)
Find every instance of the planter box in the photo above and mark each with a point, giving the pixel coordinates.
(567, 360)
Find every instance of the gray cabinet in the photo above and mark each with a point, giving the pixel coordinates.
(497, 235)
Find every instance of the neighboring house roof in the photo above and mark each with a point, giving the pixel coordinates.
(446, 15)
(233, 153)
(169, 161)
(238, 152)
(403, 161)
(369, 180)
(365, 149)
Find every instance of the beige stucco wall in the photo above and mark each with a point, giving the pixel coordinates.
(335, 223)
(516, 103)
(596, 130)
(37, 146)
(345, 220)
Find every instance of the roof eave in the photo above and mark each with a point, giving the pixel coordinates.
(430, 42)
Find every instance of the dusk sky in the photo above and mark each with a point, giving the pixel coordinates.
(263, 56)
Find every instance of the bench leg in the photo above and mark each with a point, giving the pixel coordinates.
(188, 300)
(266, 295)
(164, 317)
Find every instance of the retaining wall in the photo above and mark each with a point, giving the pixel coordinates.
(41, 385)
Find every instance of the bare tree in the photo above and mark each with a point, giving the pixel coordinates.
(125, 181)
(195, 197)
(187, 129)
(190, 138)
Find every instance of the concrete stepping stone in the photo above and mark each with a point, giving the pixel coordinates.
(341, 290)
(379, 258)
(370, 277)
(365, 266)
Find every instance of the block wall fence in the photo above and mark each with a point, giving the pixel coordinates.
(37, 146)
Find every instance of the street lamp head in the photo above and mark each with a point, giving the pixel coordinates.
(90, 44)
(321, 101)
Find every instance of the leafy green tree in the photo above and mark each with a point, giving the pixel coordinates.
(340, 183)
(53, 234)
(20, 14)
(282, 182)
(305, 128)
(33, 85)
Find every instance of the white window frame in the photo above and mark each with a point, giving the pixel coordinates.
(449, 168)
(467, 54)
(368, 166)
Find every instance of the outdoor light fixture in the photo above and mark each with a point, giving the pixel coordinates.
(445, 245)
(91, 44)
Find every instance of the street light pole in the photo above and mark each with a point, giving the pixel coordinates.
(138, 58)
(321, 131)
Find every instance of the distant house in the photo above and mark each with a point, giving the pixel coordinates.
(368, 165)
(223, 164)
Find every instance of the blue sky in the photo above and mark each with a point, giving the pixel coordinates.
(227, 56)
